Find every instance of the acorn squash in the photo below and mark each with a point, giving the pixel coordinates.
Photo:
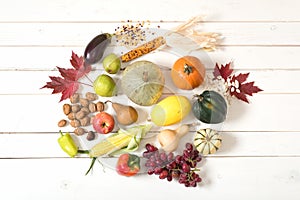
(143, 82)
(210, 107)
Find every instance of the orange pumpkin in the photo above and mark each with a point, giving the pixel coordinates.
(188, 73)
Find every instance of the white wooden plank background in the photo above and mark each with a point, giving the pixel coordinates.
(259, 158)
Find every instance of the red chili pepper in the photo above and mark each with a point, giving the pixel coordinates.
(128, 165)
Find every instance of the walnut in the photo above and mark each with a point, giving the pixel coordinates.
(91, 96)
(84, 102)
(76, 108)
(92, 107)
(74, 98)
(75, 123)
(85, 121)
(81, 114)
(79, 131)
(85, 109)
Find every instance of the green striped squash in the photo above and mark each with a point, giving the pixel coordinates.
(210, 107)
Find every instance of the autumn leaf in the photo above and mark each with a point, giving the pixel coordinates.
(235, 84)
(68, 83)
(224, 71)
(79, 65)
(250, 88)
(239, 89)
(241, 78)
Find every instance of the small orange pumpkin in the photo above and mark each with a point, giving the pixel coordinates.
(188, 73)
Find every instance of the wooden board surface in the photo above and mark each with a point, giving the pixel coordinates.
(259, 158)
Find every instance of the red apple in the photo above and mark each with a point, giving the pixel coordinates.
(103, 123)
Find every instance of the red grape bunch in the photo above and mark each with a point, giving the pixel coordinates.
(168, 166)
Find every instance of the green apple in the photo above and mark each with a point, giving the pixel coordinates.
(111, 63)
(105, 86)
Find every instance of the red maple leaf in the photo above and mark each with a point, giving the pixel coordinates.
(241, 78)
(81, 67)
(239, 89)
(250, 88)
(236, 85)
(224, 71)
(68, 84)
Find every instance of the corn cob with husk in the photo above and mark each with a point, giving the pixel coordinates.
(122, 141)
(110, 144)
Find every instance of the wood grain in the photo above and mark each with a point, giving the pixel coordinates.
(259, 158)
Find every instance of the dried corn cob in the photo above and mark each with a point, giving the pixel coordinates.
(143, 49)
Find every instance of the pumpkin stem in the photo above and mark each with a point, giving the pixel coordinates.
(145, 76)
(198, 96)
(187, 69)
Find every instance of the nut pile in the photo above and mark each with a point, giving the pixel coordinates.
(80, 113)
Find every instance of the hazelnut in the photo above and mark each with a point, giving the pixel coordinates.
(66, 109)
(62, 123)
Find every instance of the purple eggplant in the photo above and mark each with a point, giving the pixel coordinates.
(95, 49)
